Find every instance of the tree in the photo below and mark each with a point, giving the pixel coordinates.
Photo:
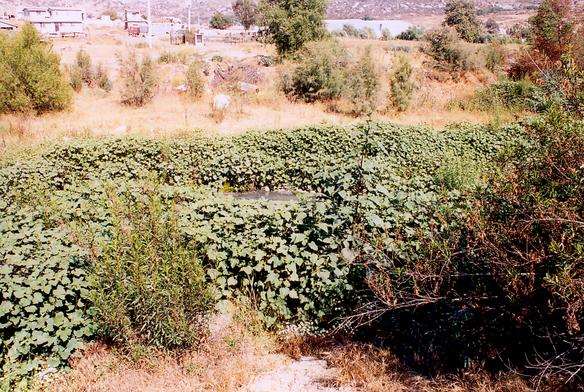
(413, 33)
(220, 21)
(246, 12)
(462, 15)
(195, 80)
(290, 24)
(30, 75)
(553, 28)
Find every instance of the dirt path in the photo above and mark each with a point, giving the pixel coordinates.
(308, 374)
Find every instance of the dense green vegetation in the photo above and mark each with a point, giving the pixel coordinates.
(30, 78)
(290, 260)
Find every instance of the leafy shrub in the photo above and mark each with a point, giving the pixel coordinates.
(178, 57)
(507, 94)
(149, 285)
(449, 52)
(139, 80)
(319, 74)
(102, 79)
(44, 297)
(413, 33)
(401, 85)
(83, 64)
(364, 85)
(462, 15)
(195, 81)
(220, 21)
(30, 78)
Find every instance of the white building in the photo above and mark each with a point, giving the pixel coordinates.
(56, 21)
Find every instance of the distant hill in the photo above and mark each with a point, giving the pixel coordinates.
(338, 9)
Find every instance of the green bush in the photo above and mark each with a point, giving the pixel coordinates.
(496, 57)
(195, 81)
(450, 52)
(148, 284)
(220, 21)
(85, 67)
(508, 94)
(138, 79)
(364, 85)
(401, 85)
(30, 78)
(320, 73)
(413, 33)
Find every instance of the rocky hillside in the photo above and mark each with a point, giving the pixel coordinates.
(338, 9)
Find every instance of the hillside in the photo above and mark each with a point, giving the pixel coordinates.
(338, 9)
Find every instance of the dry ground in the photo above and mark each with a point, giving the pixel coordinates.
(96, 113)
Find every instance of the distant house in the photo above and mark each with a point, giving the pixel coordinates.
(57, 21)
(134, 19)
(6, 26)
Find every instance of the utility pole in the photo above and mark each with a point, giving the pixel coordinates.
(149, 25)
(189, 18)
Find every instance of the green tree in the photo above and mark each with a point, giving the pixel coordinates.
(220, 21)
(462, 15)
(290, 24)
(553, 28)
(30, 77)
(246, 12)
(413, 33)
(401, 85)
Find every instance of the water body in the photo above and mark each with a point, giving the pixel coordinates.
(394, 26)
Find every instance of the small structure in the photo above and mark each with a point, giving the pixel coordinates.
(134, 19)
(7, 26)
(55, 21)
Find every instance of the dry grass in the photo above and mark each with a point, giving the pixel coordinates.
(230, 359)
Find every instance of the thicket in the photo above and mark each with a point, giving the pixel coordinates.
(246, 12)
(195, 80)
(82, 73)
(139, 81)
(451, 53)
(30, 75)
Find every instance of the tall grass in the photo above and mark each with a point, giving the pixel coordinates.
(149, 285)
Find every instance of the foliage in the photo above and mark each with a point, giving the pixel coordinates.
(138, 78)
(83, 73)
(293, 261)
(319, 74)
(553, 28)
(364, 85)
(220, 21)
(462, 15)
(413, 33)
(30, 78)
(44, 296)
(290, 24)
(195, 81)
(246, 12)
(512, 95)
(83, 63)
(385, 35)
(149, 285)
(401, 85)
(495, 56)
(533, 230)
(102, 79)
(448, 50)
